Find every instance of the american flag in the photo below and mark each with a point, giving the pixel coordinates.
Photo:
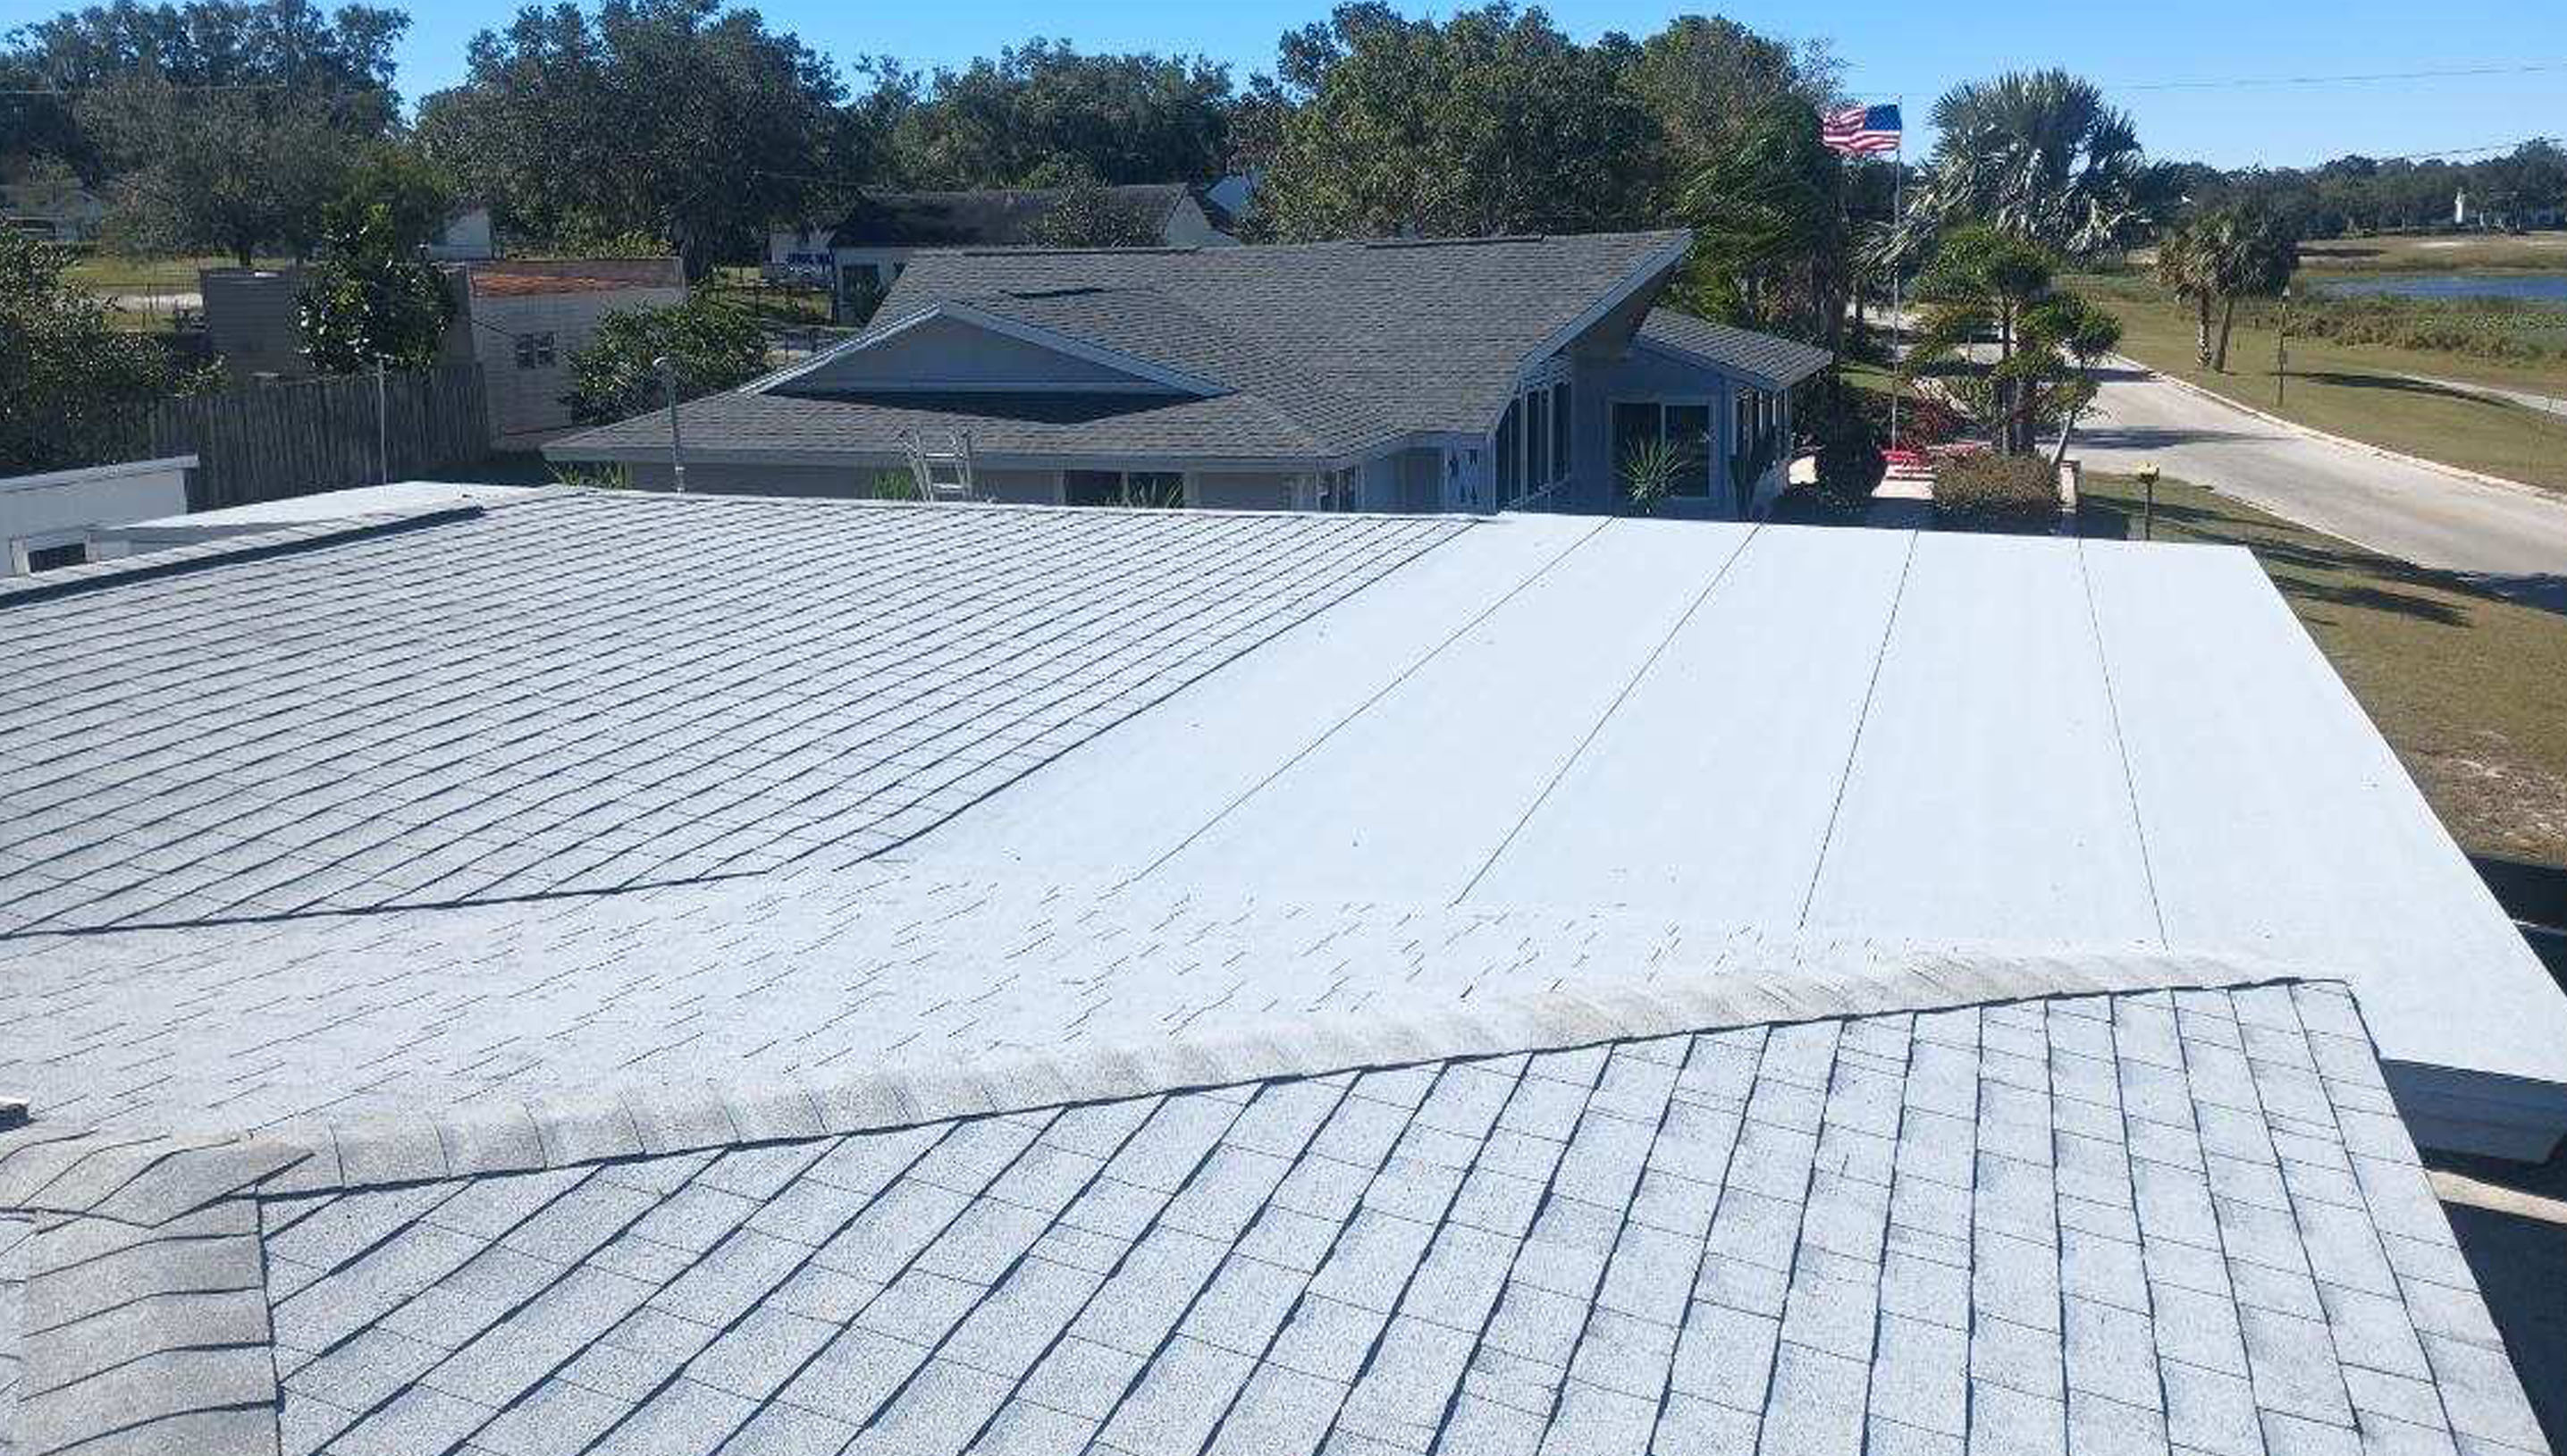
(1861, 131)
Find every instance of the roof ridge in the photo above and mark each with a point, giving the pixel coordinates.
(146, 1299)
(111, 1173)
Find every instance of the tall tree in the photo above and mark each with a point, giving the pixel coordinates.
(676, 117)
(2245, 253)
(371, 299)
(1088, 216)
(1772, 243)
(1711, 83)
(343, 56)
(232, 172)
(68, 378)
(1493, 122)
(2183, 265)
(1042, 114)
(2037, 154)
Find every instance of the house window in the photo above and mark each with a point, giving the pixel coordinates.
(54, 558)
(1137, 490)
(1532, 444)
(535, 351)
(1560, 430)
(1684, 424)
(1340, 489)
(1536, 469)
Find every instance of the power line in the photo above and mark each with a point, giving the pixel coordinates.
(2346, 79)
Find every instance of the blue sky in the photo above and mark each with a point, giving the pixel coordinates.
(1892, 49)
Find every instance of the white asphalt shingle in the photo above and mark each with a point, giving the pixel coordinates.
(1592, 1326)
(1405, 1036)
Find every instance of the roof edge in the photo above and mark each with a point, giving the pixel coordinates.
(225, 550)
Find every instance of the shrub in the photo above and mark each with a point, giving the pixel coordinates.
(1847, 426)
(714, 346)
(1997, 489)
(1649, 470)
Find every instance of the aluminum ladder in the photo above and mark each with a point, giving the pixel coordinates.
(943, 474)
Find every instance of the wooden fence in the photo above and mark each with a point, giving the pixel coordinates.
(267, 441)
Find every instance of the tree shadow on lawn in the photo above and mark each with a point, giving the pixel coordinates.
(2402, 383)
(2313, 573)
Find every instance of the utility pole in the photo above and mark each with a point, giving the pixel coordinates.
(2282, 348)
(668, 368)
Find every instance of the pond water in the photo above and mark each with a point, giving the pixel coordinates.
(2536, 287)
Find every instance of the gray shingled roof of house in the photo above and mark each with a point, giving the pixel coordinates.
(1774, 362)
(1322, 349)
(474, 997)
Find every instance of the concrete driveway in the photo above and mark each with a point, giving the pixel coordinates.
(2509, 539)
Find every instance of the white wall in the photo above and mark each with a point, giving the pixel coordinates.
(527, 404)
(62, 506)
(466, 237)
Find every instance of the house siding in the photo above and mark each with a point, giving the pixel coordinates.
(1245, 490)
(527, 404)
(1642, 375)
(955, 354)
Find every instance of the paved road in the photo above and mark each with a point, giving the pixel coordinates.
(2552, 404)
(2511, 540)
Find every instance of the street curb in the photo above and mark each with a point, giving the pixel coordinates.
(2460, 472)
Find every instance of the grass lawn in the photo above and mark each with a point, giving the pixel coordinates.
(2357, 390)
(772, 303)
(2492, 252)
(2470, 690)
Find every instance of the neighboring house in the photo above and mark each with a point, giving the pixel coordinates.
(864, 252)
(606, 972)
(1473, 375)
(519, 318)
(64, 518)
(56, 212)
(524, 318)
(1231, 201)
(466, 237)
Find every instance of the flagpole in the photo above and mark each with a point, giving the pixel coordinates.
(1897, 200)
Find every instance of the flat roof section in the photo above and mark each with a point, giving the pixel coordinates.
(1896, 736)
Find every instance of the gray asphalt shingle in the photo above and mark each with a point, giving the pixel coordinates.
(1318, 350)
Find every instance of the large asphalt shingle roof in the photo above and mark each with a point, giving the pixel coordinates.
(488, 982)
(582, 692)
(1766, 359)
(1320, 349)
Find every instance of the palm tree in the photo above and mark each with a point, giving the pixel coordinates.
(2252, 254)
(1986, 284)
(2182, 265)
(2039, 154)
(1772, 248)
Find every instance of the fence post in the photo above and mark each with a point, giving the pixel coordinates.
(383, 430)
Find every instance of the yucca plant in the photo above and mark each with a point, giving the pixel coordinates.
(1651, 469)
